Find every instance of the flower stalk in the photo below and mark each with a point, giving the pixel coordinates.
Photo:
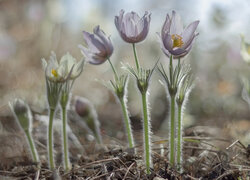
(63, 104)
(146, 130)
(172, 131)
(143, 77)
(136, 59)
(127, 122)
(120, 89)
(179, 137)
(32, 146)
(50, 139)
(182, 95)
(172, 80)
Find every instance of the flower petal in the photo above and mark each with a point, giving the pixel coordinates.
(167, 42)
(166, 26)
(106, 41)
(177, 51)
(93, 42)
(189, 31)
(176, 24)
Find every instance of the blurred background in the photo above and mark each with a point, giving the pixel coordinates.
(31, 29)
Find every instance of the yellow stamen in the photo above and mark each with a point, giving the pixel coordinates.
(177, 40)
(54, 72)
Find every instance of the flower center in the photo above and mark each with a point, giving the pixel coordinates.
(54, 72)
(177, 40)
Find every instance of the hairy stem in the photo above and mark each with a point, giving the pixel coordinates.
(32, 146)
(136, 59)
(113, 68)
(146, 126)
(179, 145)
(127, 123)
(65, 139)
(172, 132)
(50, 139)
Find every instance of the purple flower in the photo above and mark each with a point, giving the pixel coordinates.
(131, 27)
(99, 45)
(175, 40)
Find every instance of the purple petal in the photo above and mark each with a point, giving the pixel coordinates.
(93, 43)
(130, 24)
(106, 41)
(166, 26)
(145, 27)
(189, 31)
(176, 24)
(96, 60)
(135, 17)
(189, 42)
(118, 20)
(167, 42)
(177, 52)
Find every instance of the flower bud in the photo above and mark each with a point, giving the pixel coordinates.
(81, 107)
(87, 112)
(21, 113)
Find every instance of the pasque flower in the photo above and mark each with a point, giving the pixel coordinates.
(99, 47)
(131, 27)
(175, 40)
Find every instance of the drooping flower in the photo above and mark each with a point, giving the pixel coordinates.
(175, 40)
(99, 48)
(131, 27)
(245, 50)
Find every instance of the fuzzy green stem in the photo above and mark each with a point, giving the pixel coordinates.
(179, 150)
(136, 59)
(50, 139)
(146, 126)
(127, 123)
(32, 146)
(113, 68)
(65, 139)
(172, 132)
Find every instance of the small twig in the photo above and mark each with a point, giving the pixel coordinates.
(231, 145)
(105, 174)
(193, 178)
(128, 170)
(37, 174)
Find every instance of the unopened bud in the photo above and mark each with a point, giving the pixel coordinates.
(86, 111)
(82, 107)
(21, 113)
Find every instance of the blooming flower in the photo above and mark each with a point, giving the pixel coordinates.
(245, 50)
(175, 40)
(99, 45)
(131, 27)
(67, 68)
(72, 65)
(53, 70)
